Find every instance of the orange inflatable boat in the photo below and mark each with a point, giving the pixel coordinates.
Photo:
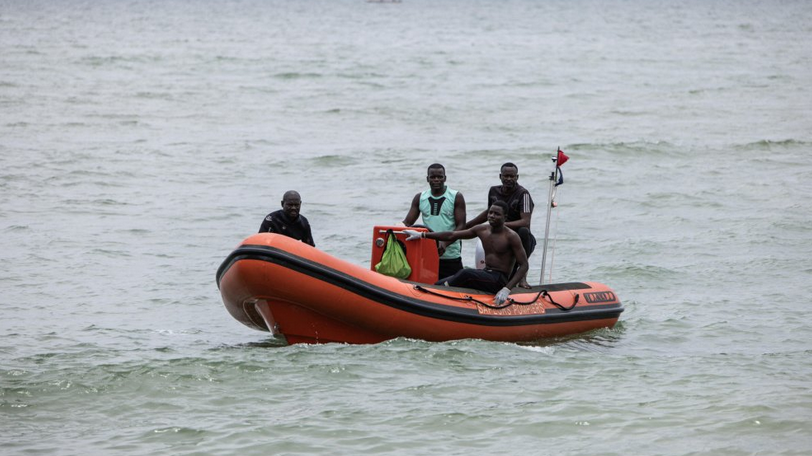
(278, 284)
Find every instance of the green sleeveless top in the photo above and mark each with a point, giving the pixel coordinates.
(438, 214)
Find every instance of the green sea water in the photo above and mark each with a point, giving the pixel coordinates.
(141, 141)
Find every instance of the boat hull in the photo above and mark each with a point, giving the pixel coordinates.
(274, 283)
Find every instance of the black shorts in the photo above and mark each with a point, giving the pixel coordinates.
(449, 267)
(487, 280)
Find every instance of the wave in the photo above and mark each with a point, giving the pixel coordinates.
(333, 160)
(768, 144)
(12, 228)
(100, 61)
(623, 147)
(296, 75)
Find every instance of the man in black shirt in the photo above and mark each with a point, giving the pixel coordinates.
(288, 221)
(520, 209)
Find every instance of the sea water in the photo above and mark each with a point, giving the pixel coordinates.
(141, 141)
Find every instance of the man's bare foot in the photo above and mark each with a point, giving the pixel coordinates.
(523, 284)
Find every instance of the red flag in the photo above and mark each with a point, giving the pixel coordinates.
(561, 158)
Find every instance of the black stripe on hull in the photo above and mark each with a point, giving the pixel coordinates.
(416, 306)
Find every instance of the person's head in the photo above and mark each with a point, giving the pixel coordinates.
(435, 176)
(497, 213)
(509, 174)
(291, 204)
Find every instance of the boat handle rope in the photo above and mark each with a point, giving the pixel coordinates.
(550, 298)
(463, 298)
(510, 301)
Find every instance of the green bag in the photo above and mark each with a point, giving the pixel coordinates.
(393, 261)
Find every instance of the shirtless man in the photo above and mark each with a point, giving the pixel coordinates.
(502, 246)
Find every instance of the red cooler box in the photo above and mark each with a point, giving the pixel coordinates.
(421, 253)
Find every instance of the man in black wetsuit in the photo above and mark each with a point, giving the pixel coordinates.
(288, 221)
(520, 209)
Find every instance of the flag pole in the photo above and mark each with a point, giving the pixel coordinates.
(550, 206)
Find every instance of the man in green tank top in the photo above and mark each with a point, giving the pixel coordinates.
(443, 209)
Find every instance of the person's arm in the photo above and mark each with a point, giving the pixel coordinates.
(525, 215)
(309, 239)
(459, 212)
(478, 220)
(414, 211)
(459, 221)
(521, 258)
(448, 236)
(524, 221)
(266, 225)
